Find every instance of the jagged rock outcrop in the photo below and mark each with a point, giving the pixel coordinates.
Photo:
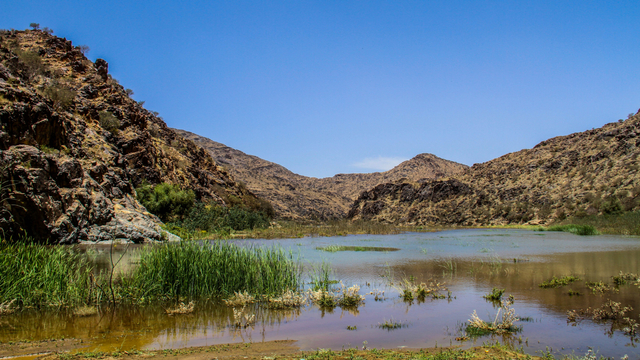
(587, 173)
(299, 197)
(74, 145)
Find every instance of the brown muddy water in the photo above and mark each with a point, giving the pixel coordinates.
(469, 262)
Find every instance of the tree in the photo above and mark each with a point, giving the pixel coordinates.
(84, 49)
(35, 26)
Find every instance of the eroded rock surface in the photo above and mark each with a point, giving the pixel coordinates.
(69, 176)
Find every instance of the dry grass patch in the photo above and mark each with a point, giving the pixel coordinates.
(85, 310)
(181, 309)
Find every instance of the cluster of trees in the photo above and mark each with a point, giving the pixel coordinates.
(178, 207)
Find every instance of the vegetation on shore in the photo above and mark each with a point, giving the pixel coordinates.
(572, 228)
(284, 350)
(626, 223)
(33, 275)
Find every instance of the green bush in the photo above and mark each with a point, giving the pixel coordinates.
(213, 218)
(61, 96)
(109, 122)
(611, 206)
(166, 201)
(30, 63)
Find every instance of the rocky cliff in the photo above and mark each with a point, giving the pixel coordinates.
(591, 172)
(299, 197)
(74, 145)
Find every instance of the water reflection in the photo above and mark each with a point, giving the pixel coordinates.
(469, 262)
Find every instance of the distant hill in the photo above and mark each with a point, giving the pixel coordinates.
(298, 197)
(74, 145)
(591, 172)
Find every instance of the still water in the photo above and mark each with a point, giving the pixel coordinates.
(469, 262)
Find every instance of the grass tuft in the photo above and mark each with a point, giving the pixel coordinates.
(181, 309)
(494, 295)
(557, 282)
(391, 325)
(502, 323)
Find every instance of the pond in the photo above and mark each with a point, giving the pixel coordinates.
(470, 263)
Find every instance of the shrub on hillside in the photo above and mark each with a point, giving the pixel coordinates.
(61, 96)
(166, 201)
(109, 122)
(611, 206)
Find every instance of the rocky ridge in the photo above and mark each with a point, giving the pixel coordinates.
(299, 197)
(74, 145)
(586, 173)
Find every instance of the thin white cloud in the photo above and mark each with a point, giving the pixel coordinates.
(381, 163)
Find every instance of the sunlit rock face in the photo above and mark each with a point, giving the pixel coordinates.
(74, 145)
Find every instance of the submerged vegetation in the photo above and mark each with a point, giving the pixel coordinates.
(557, 282)
(494, 295)
(336, 248)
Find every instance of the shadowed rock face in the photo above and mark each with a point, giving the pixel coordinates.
(69, 176)
(591, 172)
(299, 197)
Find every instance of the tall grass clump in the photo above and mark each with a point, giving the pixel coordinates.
(574, 229)
(35, 275)
(189, 269)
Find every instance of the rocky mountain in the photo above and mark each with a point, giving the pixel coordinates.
(74, 145)
(591, 172)
(299, 197)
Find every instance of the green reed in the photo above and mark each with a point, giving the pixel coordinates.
(41, 276)
(190, 269)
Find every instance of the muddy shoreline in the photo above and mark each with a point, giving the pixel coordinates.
(278, 349)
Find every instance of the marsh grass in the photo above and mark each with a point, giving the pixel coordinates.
(290, 299)
(599, 287)
(320, 276)
(239, 299)
(33, 275)
(336, 248)
(623, 279)
(573, 228)
(408, 289)
(502, 323)
(494, 295)
(391, 325)
(181, 309)
(192, 270)
(242, 319)
(558, 282)
(345, 297)
(448, 265)
(627, 223)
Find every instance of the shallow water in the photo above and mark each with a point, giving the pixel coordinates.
(470, 262)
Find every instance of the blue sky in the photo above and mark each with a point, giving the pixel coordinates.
(326, 87)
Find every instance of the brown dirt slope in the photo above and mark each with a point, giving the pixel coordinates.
(591, 172)
(299, 197)
(74, 145)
